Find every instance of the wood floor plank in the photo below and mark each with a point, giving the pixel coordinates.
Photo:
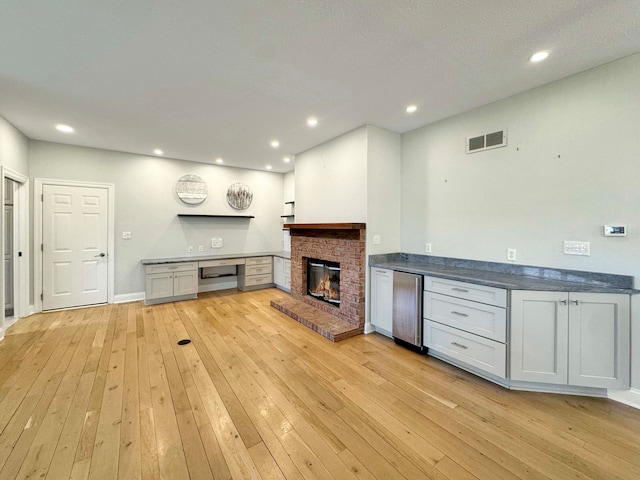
(106, 392)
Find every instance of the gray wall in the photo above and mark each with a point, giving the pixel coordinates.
(570, 167)
(147, 206)
(14, 148)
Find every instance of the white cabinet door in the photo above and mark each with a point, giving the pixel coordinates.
(158, 285)
(278, 271)
(539, 336)
(185, 283)
(599, 332)
(382, 300)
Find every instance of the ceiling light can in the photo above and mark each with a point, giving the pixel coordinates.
(539, 56)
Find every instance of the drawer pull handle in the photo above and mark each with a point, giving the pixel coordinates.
(563, 302)
(171, 268)
(575, 302)
(459, 345)
(460, 290)
(460, 314)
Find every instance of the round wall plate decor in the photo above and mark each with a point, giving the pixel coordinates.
(191, 189)
(239, 196)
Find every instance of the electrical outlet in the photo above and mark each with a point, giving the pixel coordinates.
(427, 248)
(190, 249)
(201, 248)
(126, 235)
(216, 243)
(376, 239)
(511, 254)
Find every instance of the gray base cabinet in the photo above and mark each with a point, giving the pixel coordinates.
(167, 283)
(579, 339)
(381, 313)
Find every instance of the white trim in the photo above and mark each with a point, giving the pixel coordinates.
(39, 183)
(21, 243)
(128, 297)
(369, 328)
(628, 397)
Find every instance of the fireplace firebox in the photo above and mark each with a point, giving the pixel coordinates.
(323, 280)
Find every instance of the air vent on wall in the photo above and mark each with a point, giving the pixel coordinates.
(487, 141)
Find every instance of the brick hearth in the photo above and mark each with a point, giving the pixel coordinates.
(343, 243)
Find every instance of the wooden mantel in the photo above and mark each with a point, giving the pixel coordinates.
(325, 226)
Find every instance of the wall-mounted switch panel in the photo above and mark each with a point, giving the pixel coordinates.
(572, 247)
(216, 243)
(189, 249)
(126, 235)
(201, 248)
(376, 239)
(615, 230)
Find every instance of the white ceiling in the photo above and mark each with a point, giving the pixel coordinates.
(209, 78)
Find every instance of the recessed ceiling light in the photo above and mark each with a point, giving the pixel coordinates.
(64, 128)
(312, 121)
(286, 159)
(539, 56)
(219, 161)
(412, 108)
(157, 151)
(275, 143)
(269, 167)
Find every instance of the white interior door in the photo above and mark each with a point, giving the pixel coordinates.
(74, 246)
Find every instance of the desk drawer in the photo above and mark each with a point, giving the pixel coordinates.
(254, 280)
(468, 291)
(484, 320)
(258, 269)
(221, 263)
(171, 267)
(479, 352)
(259, 260)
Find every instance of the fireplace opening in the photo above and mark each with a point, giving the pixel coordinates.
(323, 280)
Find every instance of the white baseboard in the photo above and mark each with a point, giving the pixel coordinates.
(128, 297)
(368, 328)
(628, 397)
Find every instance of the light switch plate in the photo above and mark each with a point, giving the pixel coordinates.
(126, 235)
(376, 239)
(574, 247)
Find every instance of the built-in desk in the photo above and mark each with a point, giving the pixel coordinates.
(172, 279)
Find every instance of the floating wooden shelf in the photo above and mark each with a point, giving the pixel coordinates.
(290, 202)
(286, 216)
(214, 216)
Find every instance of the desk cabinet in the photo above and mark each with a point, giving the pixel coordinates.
(171, 282)
(257, 272)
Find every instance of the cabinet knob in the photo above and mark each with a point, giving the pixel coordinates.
(563, 302)
(575, 302)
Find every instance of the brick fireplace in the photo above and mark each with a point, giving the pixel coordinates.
(344, 244)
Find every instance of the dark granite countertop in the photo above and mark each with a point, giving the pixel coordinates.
(202, 258)
(507, 276)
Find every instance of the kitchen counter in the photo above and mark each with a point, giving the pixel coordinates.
(507, 276)
(201, 258)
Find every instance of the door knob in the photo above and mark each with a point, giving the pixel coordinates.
(101, 255)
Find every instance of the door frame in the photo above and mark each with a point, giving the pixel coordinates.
(38, 192)
(20, 243)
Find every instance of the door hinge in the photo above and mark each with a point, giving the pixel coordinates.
(42, 247)
(19, 254)
(42, 197)
(42, 296)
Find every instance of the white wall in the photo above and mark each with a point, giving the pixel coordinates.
(571, 166)
(384, 156)
(14, 148)
(147, 206)
(331, 180)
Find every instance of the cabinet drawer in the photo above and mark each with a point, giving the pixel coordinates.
(258, 260)
(484, 320)
(254, 280)
(258, 269)
(171, 267)
(468, 291)
(479, 352)
(221, 263)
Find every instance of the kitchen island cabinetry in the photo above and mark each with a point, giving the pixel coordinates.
(382, 300)
(577, 338)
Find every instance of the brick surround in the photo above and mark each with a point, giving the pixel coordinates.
(341, 243)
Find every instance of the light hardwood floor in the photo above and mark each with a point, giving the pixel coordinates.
(106, 393)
